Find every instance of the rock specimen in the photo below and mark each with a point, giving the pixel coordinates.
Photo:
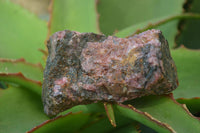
(83, 68)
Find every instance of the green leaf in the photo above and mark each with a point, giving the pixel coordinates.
(116, 15)
(144, 118)
(140, 27)
(144, 129)
(62, 124)
(22, 33)
(77, 15)
(22, 73)
(90, 108)
(192, 104)
(188, 64)
(103, 125)
(167, 110)
(190, 29)
(31, 71)
(130, 128)
(164, 24)
(110, 113)
(20, 110)
(19, 79)
(96, 121)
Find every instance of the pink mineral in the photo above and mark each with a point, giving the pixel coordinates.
(83, 68)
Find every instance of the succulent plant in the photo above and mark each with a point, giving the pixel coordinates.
(23, 55)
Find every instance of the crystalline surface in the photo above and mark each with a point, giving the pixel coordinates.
(83, 68)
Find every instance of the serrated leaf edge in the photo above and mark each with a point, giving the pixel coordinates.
(151, 118)
(23, 61)
(48, 121)
(183, 106)
(21, 76)
(163, 21)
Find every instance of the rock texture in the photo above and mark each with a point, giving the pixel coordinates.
(83, 68)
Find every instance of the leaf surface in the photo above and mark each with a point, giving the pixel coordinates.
(77, 15)
(129, 16)
(20, 80)
(192, 104)
(103, 124)
(159, 24)
(23, 34)
(188, 64)
(22, 73)
(21, 106)
(130, 128)
(166, 110)
(20, 110)
(144, 118)
(62, 124)
(126, 13)
(31, 71)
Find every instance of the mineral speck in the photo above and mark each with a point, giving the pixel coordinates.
(83, 68)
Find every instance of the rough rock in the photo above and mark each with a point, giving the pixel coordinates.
(84, 68)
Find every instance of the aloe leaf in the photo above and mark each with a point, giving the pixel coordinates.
(166, 110)
(96, 120)
(130, 128)
(23, 32)
(90, 108)
(144, 118)
(144, 129)
(163, 24)
(100, 126)
(110, 113)
(192, 104)
(19, 79)
(71, 122)
(31, 71)
(22, 73)
(140, 27)
(75, 15)
(190, 29)
(187, 63)
(126, 13)
(21, 109)
(103, 124)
